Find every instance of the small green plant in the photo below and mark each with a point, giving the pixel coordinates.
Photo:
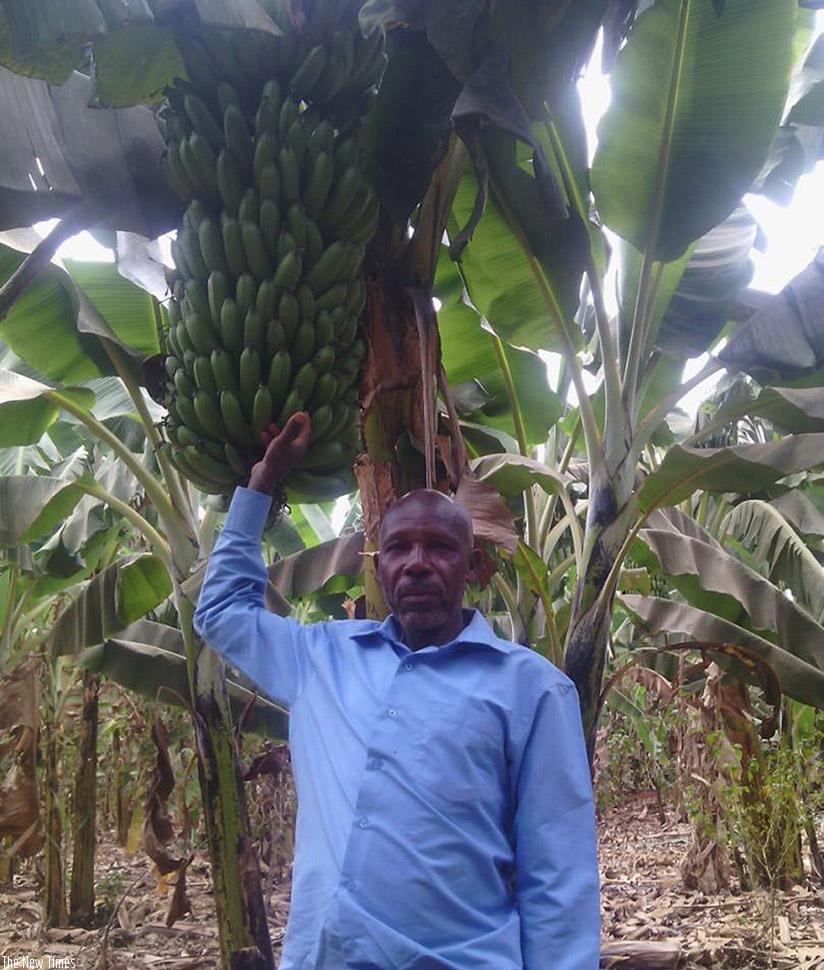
(108, 892)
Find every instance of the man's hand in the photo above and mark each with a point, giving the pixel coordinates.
(284, 449)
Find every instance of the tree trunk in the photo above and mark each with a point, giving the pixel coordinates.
(391, 394)
(81, 893)
(53, 891)
(241, 912)
(606, 529)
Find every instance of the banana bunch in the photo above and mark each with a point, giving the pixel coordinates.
(268, 284)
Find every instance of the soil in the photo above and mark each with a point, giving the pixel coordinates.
(642, 897)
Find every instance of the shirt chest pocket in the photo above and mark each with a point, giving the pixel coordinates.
(459, 755)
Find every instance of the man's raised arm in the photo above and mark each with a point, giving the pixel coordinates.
(230, 613)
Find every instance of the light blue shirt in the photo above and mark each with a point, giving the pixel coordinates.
(445, 817)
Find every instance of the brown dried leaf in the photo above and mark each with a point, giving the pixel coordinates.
(491, 519)
(180, 904)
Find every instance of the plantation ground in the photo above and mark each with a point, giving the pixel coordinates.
(642, 900)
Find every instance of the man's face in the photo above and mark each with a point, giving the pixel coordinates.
(425, 560)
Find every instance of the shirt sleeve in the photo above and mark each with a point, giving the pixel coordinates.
(231, 617)
(555, 843)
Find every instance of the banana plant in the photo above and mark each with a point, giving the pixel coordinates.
(699, 91)
(79, 344)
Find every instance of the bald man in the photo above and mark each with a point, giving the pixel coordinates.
(445, 817)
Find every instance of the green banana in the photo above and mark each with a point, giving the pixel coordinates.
(246, 291)
(324, 359)
(289, 271)
(329, 269)
(249, 208)
(330, 298)
(296, 220)
(319, 183)
(293, 404)
(229, 181)
(200, 334)
(193, 474)
(208, 466)
(267, 296)
(202, 120)
(171, 364)
(191, 251)
(217, 289)
(211, 246)
(209, 416)
(233, 247)
(196, 299)
(304, 379)
(256, 255)
(237, 426)
(306, 302)
(348, 187)
(322, 393)
(303, 343)
(262, 410)
(308, 74)
(200, 162)
(268, 182)
(324, 454)
(321, 139)
(321, 420)
(248, 378)
(266, 153)
(185, 410)
(231, 326)
(289, 112)
(277, 381)
(238, 137)
(204, 378)
(314, 243)
(289, 176)
(289, 315)
(183, 384)
(254, 330)
(226, 96)
(223, 371)
(275, 337)
(176, 172)
(236, 461)
(324, 328)
(270, 225)
(297, 138)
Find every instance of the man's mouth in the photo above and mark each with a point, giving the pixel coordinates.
(418, 595)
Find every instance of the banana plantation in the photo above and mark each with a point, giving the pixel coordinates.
(390, 214)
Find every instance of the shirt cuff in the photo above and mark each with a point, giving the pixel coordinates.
(247, 511)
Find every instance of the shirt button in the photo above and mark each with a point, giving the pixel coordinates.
(392, 712)
(376, 763)
(407, 666)
(363, 823)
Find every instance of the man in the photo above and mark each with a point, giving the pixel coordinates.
(445, 816)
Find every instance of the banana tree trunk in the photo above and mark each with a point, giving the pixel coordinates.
(241, 913)
(81, 893)
(608, 524)
(393, 423)
(54, 896)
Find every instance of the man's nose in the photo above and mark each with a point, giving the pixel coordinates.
(417, 558)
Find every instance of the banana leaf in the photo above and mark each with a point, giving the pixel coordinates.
(745, 469)
(696, 100)
(109, 602)
(799, 679)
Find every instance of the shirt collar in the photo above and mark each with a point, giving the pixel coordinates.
(476, 632)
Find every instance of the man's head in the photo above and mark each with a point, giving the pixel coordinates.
(426, 558)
